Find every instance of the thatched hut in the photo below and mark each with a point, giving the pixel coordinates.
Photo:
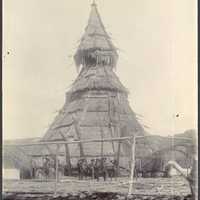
(16, 162)
(97, 107)
(21, 162)
(97, 104)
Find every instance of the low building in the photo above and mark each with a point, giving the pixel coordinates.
(10, 171)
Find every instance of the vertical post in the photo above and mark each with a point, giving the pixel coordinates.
(118, 156)
(140, 164)
(67, 154)
(43, 167)
(76, 126)
(110, 120)
(132, 167)
(119, 133)
(101, 145)
(101, 131)
(56, 172)
(111, 133)
(32, 168)
(68, 161)
(118, 149)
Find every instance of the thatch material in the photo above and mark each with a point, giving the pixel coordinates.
(96, 106)
(105, 114)
(102, 110)
(95, 46)
(98, 78)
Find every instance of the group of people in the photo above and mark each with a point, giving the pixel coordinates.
(97, 168)
(46, 170)
(94, 169)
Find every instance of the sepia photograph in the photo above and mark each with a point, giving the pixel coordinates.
(99, 100)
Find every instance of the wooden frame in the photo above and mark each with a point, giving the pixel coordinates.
(132, 140)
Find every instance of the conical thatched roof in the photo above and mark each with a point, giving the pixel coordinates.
(95, 35)
(95, 38)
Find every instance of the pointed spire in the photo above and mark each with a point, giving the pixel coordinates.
(95, 38)
(95, 25)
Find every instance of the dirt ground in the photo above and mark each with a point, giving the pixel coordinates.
(143, 186)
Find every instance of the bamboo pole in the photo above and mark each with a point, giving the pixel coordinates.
(111, 133)
(67, 154)
(118, 155)
(56, 173)
(101, 143)
(76, 156)
(110, 120)
(140, 164)
(119, 134)
(72, 142)
(79, 138)
(130, 191)
(84, 141)
(101, 132)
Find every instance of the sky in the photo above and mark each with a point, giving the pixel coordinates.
(157, 60)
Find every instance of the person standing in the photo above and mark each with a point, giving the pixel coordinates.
(92, 166)
(97, 168)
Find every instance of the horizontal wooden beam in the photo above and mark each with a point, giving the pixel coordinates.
(87, 156)
(168, 137)
(83, 125)
(72, 142)
(94, 140)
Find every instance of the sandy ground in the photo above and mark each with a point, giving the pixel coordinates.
(144, 186)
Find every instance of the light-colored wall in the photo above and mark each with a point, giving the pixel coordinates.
(11, 174)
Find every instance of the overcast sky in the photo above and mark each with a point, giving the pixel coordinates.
(157, 60)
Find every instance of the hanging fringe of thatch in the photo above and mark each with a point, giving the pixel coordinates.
(98, 78)
(93, 57)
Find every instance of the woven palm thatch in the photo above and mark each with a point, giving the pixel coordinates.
(96, 106)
